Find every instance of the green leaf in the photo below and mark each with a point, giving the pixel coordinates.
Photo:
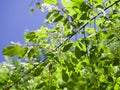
(67, 47)
(100, 6)
(11, 50)
(111, 36)
(58, 18)
(67, 3)
(22, 52)
(116, 87)
(16, 63)
(50, 14)
(65, 76)
(110, 78)
(74, 76)
(78, 2)
(84, 7)
(79, 53)
(71, 11)
(40, 85)
(37, 72)
(52, 88)
(99, 1)
(50, 55)
(84, 17)
(116, 61)
(74, 60)
(33, 53)
(30, 36)
(51, 1)
(82, 46)
(101, 78)
(71, 3)
(50, 67)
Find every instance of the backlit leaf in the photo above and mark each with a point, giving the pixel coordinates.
(100, 1)
(31, 36)
(22, 52)
(116, 87)
(51, 1)
(82, 46)
(67, 3)
(11, 50)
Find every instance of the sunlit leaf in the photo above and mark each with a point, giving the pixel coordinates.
(97, 1)
(100, 1)
(22, 52)
(11, 50)
(82, 46)
(30, 53)
(116, 87)
(31, 36)
(102, 78)
(33, 53)
(67, 3)
(51, 1)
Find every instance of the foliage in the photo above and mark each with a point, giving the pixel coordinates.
(55, 60)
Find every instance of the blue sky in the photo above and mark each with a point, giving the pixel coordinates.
(15, 19)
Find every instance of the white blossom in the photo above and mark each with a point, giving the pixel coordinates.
(102, 11)
(15, 43)
(31, 81)
(108, 22)
(48, 7)
(8, 65)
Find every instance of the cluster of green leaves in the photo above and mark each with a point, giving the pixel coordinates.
(91, 62)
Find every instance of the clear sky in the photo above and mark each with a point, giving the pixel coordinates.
(15, 19)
